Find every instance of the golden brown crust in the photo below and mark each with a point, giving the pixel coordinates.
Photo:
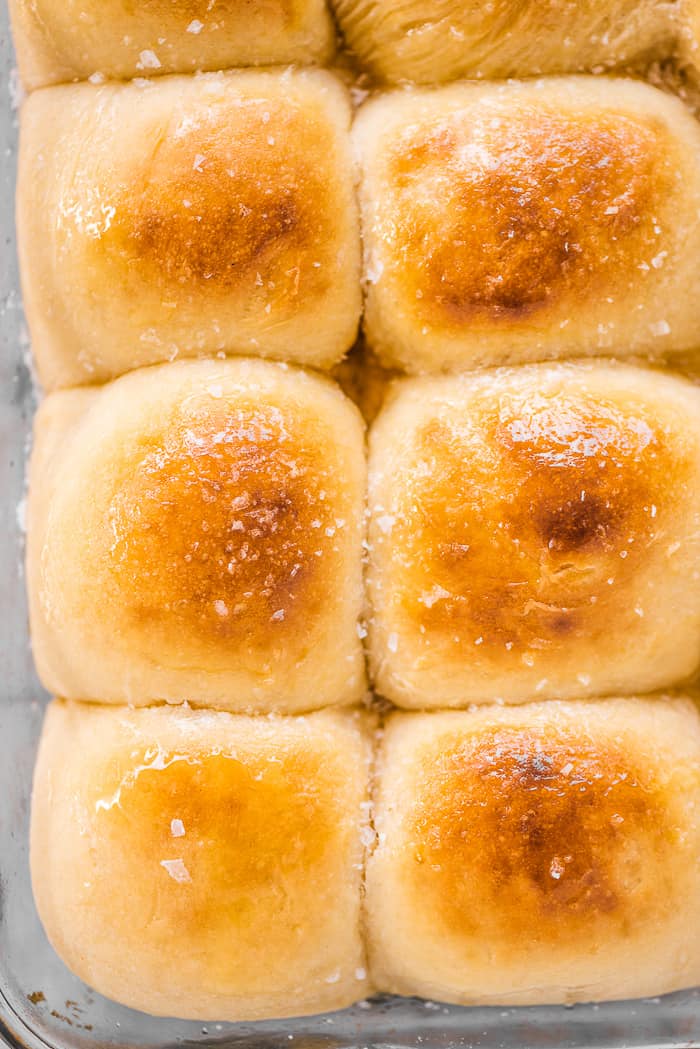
(197, 536)
(529, 530)
(534, 208)
(231, 844)
(244, 829)
(212, 216)
(512, 222)
(188, 217)
(542, 853)
(529, 836)
(515, 517)
(217, 527)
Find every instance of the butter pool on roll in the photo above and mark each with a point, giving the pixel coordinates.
(204, 865)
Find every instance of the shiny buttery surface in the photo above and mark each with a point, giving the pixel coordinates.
(188, 216)
(209, 838)
(525, 531)
(217, 528)
(528, 220)
(566, 837)
(209, 511)
(537, 206)
(227, 223)
(554, 489)
(570, 836)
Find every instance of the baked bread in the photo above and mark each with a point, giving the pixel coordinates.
(431, 41)
(512, 222)
(57, 41)
(539, 854)
(189, 216)
(689, 42)
(534, 532)
(203, 865)
(195, 534)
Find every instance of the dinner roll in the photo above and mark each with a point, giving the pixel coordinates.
(203, 865)
(431, 41)
(535, 531)
(513, 222)
(195, 533)
(540, 854)
(189, 216)
(57, 41)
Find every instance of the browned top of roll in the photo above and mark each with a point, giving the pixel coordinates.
(224, 525)
(517, 519)
(216, 841)
(497, 216)
(238, 200)
(532, 835)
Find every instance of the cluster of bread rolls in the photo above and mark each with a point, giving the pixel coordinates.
(226, 562)
(204, 864)
(425, 41)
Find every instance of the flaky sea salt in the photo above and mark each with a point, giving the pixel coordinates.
(177, 870)
(177, 828)
(148, 60)
(556, 868)
(385, 523)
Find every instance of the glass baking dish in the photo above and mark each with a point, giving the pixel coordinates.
(41, 1003)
